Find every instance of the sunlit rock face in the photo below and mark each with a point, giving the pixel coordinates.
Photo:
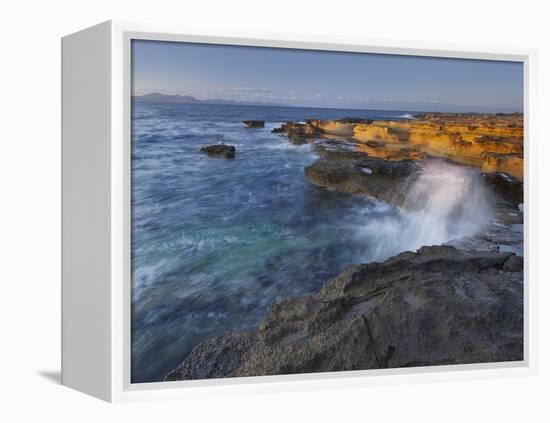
(490, 142)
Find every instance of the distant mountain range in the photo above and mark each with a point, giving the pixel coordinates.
(189, 99)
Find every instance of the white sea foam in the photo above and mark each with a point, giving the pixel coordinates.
(284, 144)
(446, 202)
(273, 125)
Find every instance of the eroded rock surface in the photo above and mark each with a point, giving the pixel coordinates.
(436, 306)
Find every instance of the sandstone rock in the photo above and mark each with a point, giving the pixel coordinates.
(491, 142)
(219, 150)
(436, 306)
(511, 163)
(343, 126)
(366, 132)
(254, 123)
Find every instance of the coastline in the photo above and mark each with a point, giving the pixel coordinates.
(459, 302)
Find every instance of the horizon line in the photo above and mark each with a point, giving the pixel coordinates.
(267, 104)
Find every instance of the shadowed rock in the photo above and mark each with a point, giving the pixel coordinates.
(219, 150)
(506, 185)
(381, 179)
(254, 123)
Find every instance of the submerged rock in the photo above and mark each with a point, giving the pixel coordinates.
(254, 123)
(219, 150)
(437, 306)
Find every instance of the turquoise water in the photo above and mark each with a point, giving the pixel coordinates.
(216, 242)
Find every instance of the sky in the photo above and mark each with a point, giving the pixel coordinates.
(326, 79)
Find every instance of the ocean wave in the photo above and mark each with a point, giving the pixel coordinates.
(287, 145)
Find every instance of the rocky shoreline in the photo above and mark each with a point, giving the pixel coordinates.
(490, 142)
(456, 303)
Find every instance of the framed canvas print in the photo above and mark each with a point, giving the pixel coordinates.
(274, 212)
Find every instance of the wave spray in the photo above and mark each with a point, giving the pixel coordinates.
(445, 202)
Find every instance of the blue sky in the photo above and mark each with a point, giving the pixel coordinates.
(326, 79)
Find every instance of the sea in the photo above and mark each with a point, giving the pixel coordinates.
(216, 242)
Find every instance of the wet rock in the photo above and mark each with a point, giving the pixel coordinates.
(381, 179)
(437, 306)
(219, 150)
(337, 150)
(254, 123)
(506, 185)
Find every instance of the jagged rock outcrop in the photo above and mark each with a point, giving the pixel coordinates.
(298, 132)
(219, 150)
(343, 127)
(436, 306)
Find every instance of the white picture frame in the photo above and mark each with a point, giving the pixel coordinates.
(96, 214)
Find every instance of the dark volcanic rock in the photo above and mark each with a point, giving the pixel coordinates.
(219, 150)
(437, 306)
(254, 123)
(382, 179)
